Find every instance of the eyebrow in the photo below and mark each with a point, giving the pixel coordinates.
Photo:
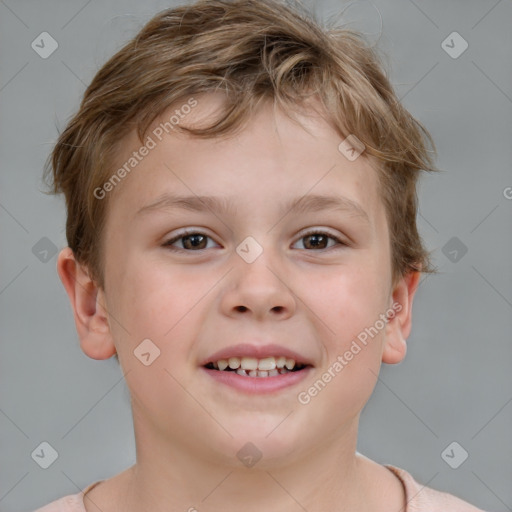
(221, 205)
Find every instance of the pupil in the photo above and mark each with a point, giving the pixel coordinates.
(193, 244)
(197, 241)
(314, 240)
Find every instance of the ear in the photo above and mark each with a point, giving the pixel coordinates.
(400, 319)
(87, 301)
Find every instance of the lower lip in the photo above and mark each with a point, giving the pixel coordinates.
(258, 385)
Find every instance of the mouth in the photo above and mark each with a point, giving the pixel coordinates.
(257, 368)
(252, 367)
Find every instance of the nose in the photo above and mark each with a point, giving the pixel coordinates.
(259, 291)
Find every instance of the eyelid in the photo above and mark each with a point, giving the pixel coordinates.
(312, 231)
(200, 231)
(182, 234)
(322, 231)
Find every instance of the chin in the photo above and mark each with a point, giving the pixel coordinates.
(262, 443)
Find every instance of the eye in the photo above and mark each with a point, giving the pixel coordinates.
(197, 241)
(319, 240)
(189, 241)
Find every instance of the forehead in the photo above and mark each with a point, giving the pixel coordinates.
(272, 161)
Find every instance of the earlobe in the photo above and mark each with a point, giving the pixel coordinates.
(400, 318)
(90, 316)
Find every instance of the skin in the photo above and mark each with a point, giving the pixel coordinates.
(316, 301)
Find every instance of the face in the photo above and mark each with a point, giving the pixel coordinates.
(237, 275)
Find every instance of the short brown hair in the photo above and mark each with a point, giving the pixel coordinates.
(252, 50)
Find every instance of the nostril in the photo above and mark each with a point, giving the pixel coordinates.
(277, 309)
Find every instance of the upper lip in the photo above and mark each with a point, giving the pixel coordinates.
(258, 351)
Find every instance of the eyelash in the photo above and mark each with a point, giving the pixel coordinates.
(185, 234)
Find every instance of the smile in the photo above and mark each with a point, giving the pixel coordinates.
(272, 366)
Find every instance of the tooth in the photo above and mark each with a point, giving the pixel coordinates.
(234, 363)
(242, 372)
(253, 367)
(249, 363)
(290, 363)
(280, 362)
(268, 363)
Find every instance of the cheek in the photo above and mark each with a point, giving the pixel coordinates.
(350, 302)
(149, 293)
(140, 303)
(153, 301)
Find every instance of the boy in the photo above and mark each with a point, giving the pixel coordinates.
(240, 191)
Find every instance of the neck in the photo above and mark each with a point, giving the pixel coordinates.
(330, 476)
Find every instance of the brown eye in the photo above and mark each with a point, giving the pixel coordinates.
(188, 242)
(318, 240)
(194, 241)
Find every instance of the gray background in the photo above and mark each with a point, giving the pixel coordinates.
(455, 384)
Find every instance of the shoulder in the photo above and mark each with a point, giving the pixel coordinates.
(424, 499)
(71, 503)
